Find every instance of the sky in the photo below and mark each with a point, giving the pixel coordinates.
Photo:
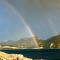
(11, 27)
(42, 16)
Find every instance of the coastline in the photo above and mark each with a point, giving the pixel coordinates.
(6, 56)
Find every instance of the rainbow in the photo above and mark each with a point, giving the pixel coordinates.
(52, 26)
(23, 20)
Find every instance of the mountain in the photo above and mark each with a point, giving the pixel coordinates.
(53, 42)
(24, 43)
(29, 42)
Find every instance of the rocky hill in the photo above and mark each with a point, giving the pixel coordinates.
(24, 43)
(53, 42)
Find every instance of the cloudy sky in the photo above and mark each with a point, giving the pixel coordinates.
(42, 16)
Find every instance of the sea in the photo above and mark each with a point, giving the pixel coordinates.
(36, 54)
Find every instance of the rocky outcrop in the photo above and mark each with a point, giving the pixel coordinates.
(6, 56)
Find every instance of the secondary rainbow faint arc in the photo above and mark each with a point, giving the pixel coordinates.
(52, 26)
(23, 20)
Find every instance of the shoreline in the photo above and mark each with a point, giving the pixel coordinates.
(6, 56)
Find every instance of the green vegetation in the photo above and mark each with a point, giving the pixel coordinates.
(53, 42)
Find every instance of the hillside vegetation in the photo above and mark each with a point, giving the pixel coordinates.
(53, 42)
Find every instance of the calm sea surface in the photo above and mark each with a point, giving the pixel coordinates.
(37, 54)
